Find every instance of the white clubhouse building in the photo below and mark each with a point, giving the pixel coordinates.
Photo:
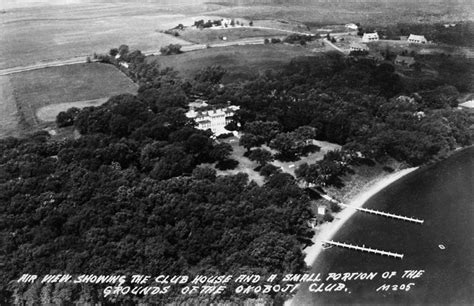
(215, 119)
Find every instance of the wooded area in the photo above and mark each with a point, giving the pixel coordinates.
(129, 196)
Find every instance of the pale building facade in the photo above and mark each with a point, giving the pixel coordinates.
(354, 47)
(369, 37)
(417, 39)
(352, 26)
(215, 119)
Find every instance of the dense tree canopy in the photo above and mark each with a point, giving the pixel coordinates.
(131, 195)
(355, 103)
(127, 197)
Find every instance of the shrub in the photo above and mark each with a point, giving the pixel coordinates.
(171, 49)
(269, 169)
(67, 118)
(328, 217)
(335, 207)
(224, 136)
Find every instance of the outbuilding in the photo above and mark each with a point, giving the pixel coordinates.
(406, 61)
(368, 37)
(355, 47)
(417, 39)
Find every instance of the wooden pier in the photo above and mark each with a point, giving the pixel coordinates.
(372, 211)
(381, 213)
(363, 249)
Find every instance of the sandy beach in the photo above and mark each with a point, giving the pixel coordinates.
(328, 230)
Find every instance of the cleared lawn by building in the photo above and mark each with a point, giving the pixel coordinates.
(58, 85)
(289, 167)
(241, 62)
(248, 166)
(245, 164)
(398, 46)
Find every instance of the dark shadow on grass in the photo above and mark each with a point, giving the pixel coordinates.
(228, 164)
(350, 171)
(363, 161)
(310, 149)
(313, 194)
(286, 158)
(337, 182)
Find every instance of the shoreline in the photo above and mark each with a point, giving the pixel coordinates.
(328, 230)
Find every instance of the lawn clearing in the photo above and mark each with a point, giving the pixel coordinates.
(48, 113)
(248, 166)
(245, 164)
(66, 84)
(398, 46)
(311, 158)
(241, 62)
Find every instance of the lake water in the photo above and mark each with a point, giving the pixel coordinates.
(442, 195)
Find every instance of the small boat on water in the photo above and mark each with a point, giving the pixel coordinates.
(327, 246)
(441, 246)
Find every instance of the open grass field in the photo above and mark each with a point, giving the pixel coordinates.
(48, 113)
(45, 33)
(206, 36)
(241, 62)
(29, 35)
(367, 12)
(36, 89)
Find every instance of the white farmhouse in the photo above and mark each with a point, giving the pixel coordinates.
(352, 26)
(215, 119)
(368, 37)
(354, 47)
(417, 39)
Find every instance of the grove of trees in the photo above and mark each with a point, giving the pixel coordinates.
(364, 107)
(131, 195)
